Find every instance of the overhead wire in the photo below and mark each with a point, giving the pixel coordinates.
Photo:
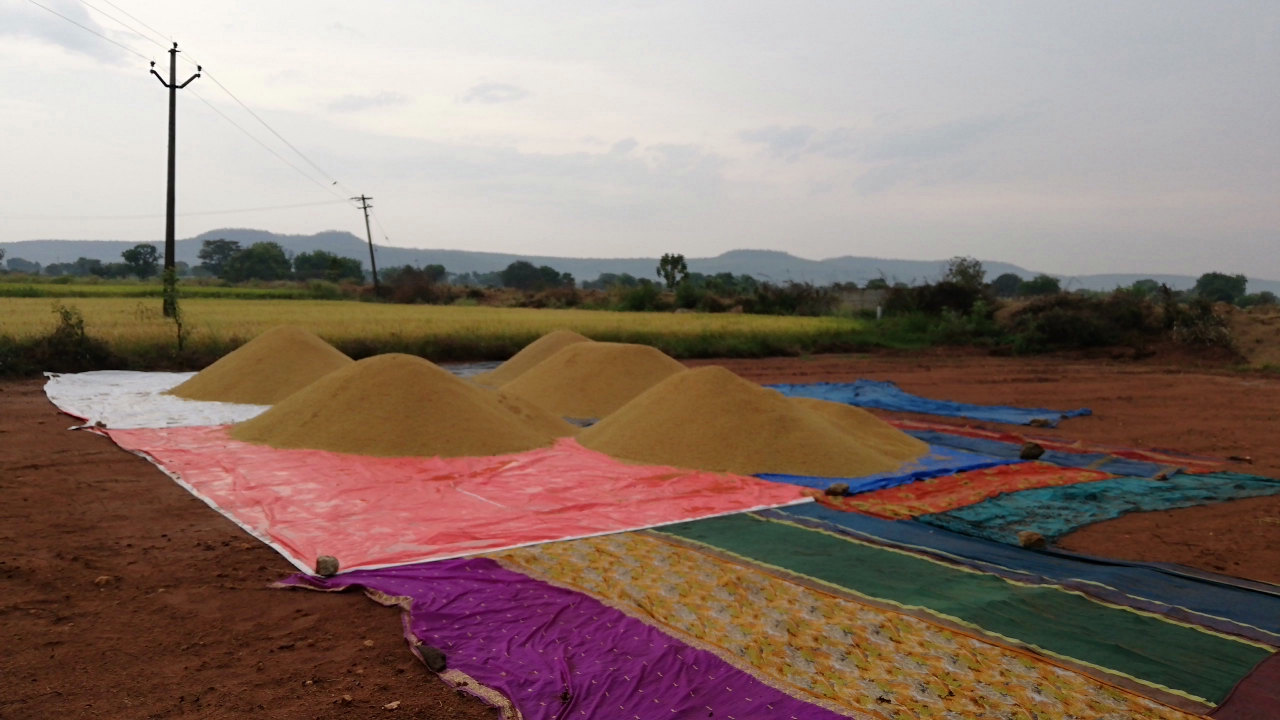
(131, 17)
(268, 148)
(124, 25)
(332, 181)
(184, 214)
(89, 29)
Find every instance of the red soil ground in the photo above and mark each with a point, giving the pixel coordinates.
(1190, 409)
(122, 596)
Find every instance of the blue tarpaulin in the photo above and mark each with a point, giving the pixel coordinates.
(888, 396)
(939, 461)
(1093, 461)
(1235, 610)
(1056, 511)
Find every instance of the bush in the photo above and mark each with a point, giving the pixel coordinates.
(412, 285)
(562, 297)
(1064, 321)
(66, 349)
(937, 298)
(792, 298)
(644, 297)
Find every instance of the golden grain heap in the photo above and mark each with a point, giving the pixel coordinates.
(532, 354)
(401, 405)
(593, 379)
(265, 370)
(711, 419)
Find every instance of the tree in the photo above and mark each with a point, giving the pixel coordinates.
(673, 270)
(19, 265)
(965, 271)
(521, 275)
(321, 265)
(1007, 285)
(142, 260)
(1145, 287)
(1220, 287)
(215, 255)
(259, 261)
(1266, 297)
(1, 253)
(878, 284)
(1041, 285)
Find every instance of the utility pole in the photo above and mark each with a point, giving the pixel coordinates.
(364, 205)
(170, 272)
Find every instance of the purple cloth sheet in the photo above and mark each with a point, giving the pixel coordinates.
(556, 653)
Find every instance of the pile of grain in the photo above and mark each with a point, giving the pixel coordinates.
(265, 370)
(711, 419)
(593, 379)
(870, 429)
(532, 354)
(401, 405)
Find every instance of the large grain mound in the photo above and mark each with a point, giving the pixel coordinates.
(399, 405)
(711, 419)
(532, 354)
(868, 428)
(593, 379)
(265, 370)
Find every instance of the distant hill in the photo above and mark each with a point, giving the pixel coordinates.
(764, 264)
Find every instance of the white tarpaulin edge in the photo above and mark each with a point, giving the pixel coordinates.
(131, 400)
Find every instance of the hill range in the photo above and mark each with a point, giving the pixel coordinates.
(769, 265)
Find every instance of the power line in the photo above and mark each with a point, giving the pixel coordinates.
(189, 214)
(267, 147)
(273, 132)
(131, 17)
(333, 181)
(89, 30)
(124, 25)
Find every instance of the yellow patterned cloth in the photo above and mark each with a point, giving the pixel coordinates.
(825, 649)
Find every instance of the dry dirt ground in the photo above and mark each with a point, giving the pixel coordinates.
(1198, 410)
(122, 596)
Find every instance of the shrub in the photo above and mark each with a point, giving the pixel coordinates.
(644, 297)
(792, 298)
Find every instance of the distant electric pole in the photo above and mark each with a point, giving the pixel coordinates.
(364, 205)
(170, 271)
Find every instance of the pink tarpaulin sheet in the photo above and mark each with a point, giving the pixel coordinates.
(374, 512)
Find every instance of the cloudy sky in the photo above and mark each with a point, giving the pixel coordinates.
(1071, 137)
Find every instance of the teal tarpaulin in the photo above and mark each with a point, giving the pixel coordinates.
(1056, 511)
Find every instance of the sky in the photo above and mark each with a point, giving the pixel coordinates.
(1069, 137)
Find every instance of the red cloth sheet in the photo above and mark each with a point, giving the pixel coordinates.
(375, 511)
(1189, 463)
(952, 491)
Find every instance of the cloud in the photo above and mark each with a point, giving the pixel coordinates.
(356, 103)
(493, 93)
(936, 140)
(792, 141)
(623, 147)
(42, 25)
(783, 141)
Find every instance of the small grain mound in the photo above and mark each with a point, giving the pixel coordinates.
(711, 419)
(265, 370)
(532, 354)
(593, 379)
(868, 428)
(400, 405)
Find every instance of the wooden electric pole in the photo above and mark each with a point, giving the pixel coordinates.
(170, 271)
(373, 264)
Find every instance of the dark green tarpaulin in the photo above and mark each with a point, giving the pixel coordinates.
(1184, 659)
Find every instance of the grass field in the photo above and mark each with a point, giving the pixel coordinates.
(136, 289)
(136, 332)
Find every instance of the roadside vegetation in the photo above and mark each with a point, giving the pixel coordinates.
(90, 314)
